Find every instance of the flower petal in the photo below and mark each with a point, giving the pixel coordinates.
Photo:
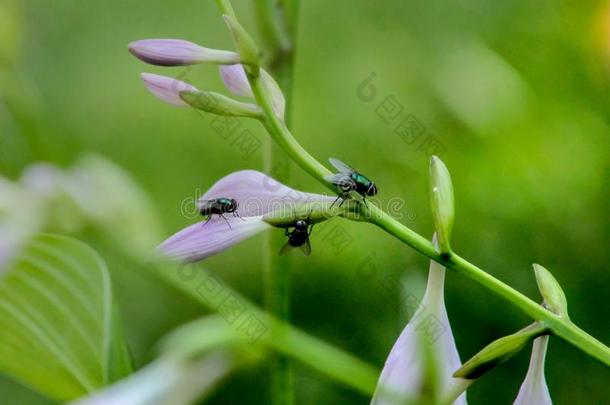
(534, 390)
(207, 238)
(178, 52)
(258, 194)
(167, 88)
(404, 369)
(235, 79)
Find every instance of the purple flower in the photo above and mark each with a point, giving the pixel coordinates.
(235, 79)
(178, 52)
(167, 88)
(256, 194)
(534, 390)
(402, 375)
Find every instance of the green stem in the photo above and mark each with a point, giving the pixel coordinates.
(277, 269)
(561, 327)
(279, 335)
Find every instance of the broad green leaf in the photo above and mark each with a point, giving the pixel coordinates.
(59, 330)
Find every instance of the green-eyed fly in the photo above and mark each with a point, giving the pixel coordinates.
(298, 237)
(218, 206)
(348, 180)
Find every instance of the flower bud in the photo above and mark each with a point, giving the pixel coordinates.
(236, 80)
(247, 49)
(498, 352)
(441, 201)
(551, 291)
(178, 52)
(167, 88)
(215, 103)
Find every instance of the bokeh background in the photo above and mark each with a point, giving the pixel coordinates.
(512, 94)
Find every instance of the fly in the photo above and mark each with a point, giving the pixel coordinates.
(298, 237)
(348, 180)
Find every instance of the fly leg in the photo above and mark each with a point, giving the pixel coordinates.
(226, 220)
(235, 214)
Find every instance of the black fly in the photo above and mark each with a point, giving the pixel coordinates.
(298, 237)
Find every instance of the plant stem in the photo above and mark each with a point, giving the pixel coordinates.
(277, 269)
(561, 327)
(280, 336)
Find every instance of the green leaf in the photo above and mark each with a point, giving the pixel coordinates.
(59, 330)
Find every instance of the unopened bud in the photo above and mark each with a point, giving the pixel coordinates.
(178, 52)
(551, 291)
(442, 203)
(167, 88)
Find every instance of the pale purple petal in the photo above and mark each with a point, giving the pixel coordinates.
(167, 88)
(534, 390)
(235, 79)
(205, 239)
(178, 52)
(404, 368)
(258, 194)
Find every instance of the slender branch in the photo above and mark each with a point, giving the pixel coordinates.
(561, 327)
(277, 269)
(274, 333)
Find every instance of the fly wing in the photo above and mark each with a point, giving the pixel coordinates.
(337, 178)
(286, 248)
(306, 248)
(343, 181)
(205, 204)
(340, 166)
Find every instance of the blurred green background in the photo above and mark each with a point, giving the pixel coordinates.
(514, 93)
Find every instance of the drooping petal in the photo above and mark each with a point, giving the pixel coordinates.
(404, 369)
(207, 238)
(167, 88)
(258, 194)
(178, 52)
(235, 79)
(534, 390)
